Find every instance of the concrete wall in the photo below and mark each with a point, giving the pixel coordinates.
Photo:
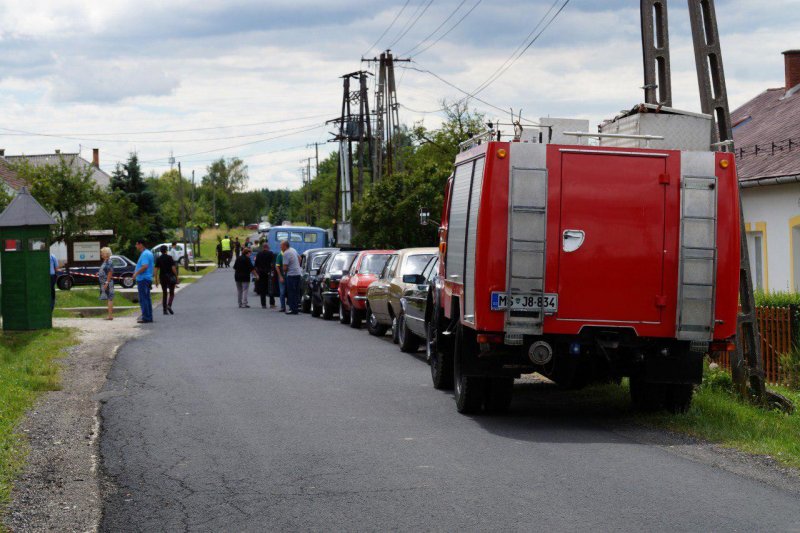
(772, 213)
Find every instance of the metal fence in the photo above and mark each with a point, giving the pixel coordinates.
(776, 327)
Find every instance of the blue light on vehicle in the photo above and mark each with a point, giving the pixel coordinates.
(575, 348)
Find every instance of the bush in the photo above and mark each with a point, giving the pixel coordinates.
(789, 364)
(777, 298)
(717, 378)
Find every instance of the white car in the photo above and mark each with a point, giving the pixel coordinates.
(263, 227)
(177, 254)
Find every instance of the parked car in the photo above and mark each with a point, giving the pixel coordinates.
(124, 268)
(353, 286)
(301, 238)
(253, 226)
(415, 306)
(325, 289)
(383, 295)
(178, 246)
(263, 227)
(310, 262)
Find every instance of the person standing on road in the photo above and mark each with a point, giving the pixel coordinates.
(167, 274)
(226, 250)
(219, 255)
(265, 260)
(291, 266)
(237, 247)
(144, 281)
(53, 278)
(242, 269)
(281, 281)
(105, 276)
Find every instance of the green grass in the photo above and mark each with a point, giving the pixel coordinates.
(716, 415)
(27, 368)
(777, 298)
(208, 240)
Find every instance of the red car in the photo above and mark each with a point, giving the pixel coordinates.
(354, 284)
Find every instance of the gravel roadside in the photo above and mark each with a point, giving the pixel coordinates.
(59, 489)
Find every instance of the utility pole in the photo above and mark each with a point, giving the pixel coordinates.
(196, 229)
(387, 117)
(307, 186)
(316, 156)
(183, 217)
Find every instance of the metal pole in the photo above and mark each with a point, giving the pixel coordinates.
(183, 217)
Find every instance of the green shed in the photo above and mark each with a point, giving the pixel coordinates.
(25, 260)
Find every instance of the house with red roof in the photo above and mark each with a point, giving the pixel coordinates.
(766, 132)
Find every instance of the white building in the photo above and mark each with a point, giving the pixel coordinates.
(767, 134)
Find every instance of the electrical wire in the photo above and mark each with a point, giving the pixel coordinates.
(442, 36)
(364, 54)
(413, 23)
(431, 34)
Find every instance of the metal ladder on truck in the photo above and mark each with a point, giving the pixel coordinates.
(746, 364)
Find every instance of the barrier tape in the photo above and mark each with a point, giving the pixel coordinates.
(93, 276)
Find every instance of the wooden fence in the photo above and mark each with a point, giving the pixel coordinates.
(775, 328)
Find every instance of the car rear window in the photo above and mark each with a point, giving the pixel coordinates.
(318, 260)
(339, 262)
(373, 263)
(415, 264)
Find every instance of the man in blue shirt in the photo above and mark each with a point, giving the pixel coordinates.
(53, 268)
(144, 280)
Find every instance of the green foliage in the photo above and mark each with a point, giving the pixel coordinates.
(65, 191)
(789, 364)
(26, 369)
(5, 198)
(716, 378)
(131, 184)
(224, 178)
(315, 202)
(116, 211)
(777, 298)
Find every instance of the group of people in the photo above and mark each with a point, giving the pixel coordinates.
(276, 275)
(163, 271)
(227, 248)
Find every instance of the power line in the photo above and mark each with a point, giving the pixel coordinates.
(413, 23)
(431, 34)
(442, 36)
(389, 27)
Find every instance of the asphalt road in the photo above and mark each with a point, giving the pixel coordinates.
(227, 419)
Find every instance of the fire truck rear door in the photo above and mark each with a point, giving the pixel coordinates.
(611, 236)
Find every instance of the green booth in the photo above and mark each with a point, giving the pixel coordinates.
(25, 258)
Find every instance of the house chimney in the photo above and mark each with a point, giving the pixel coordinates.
(791, 59)
(58, 151)
(2, 152)
(96, 157)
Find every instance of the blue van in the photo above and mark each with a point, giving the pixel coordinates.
(301, 238)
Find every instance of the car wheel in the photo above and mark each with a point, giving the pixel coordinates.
(128, 281)
(355, 317)
(408, 342)
(65, 283)
(327, 310)
(374, 327)
(469, 390)
(306, 305)
(394, 330)
(315, 310)
(344, 316)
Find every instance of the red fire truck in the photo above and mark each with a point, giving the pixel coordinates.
(587, 263)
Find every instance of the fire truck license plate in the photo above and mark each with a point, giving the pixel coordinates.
(522, 302)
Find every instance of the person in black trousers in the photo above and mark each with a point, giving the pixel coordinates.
(167, 274)
(242, 269)
(265, 264)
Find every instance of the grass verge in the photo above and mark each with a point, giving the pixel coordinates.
(208, 240)
(27, 368)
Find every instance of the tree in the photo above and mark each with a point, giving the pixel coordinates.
(224, 178)
(131, 183)
(5, 198)
(67, 192)
(116, 211)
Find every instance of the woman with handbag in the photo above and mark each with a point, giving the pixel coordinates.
(167, 274)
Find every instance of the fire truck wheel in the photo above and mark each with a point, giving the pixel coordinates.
(344, 316)
(647, 396)
(127, 281)
(374, 327)
(499, 392)
(65, 283)
(469, 390)
(440, 361)
(679, 397)
(355, 317)
(408, 342)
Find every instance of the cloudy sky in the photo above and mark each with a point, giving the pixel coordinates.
(258, 78)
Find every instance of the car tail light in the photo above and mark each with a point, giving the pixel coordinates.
(362, 291)
(333, 284)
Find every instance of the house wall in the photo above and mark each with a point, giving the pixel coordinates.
(772, 216)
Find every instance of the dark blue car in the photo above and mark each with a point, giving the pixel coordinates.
(124, 268)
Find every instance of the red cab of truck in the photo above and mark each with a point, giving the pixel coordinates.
(585, 263)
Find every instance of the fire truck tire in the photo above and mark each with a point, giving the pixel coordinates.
(679, 397)
(408, 342)
(374, 327)
(440, 360)
(65, 283)
(128, 282)
(355, 317)
(499, 392)
(327, 311)
(469, 390)
(647, 396)
(344, 316)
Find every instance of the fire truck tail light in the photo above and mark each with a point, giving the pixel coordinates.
(724, 163)
(724, 346)
(501, 153)
(490, 338)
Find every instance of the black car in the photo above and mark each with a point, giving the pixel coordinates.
(310, 262)
(325, 287)
(124, 268)
(414, 307)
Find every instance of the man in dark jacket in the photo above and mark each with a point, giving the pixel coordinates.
(242, 269)
(265, 264)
